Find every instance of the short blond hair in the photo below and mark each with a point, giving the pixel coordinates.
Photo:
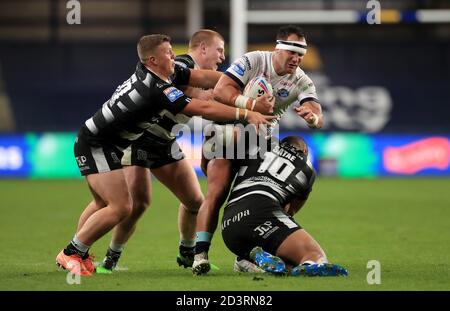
(148, 44)
(203, 35)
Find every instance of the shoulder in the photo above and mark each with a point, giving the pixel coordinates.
(302, 78)
(256, 56)
(181, 75)
(248, 62)
(157, 86)
(141, 71)
(150, 80)
(185, 60)
(300, 74)
(146, 77)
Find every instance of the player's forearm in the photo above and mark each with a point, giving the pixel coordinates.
(195, 92)
(214, 111)
(206, 79)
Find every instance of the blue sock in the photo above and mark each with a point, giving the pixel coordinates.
(203, 242)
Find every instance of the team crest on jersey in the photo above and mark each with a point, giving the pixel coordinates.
(238, 68)
(172, 93)
(283, 93)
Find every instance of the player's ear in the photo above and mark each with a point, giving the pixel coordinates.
(203, 47)
(152, 60)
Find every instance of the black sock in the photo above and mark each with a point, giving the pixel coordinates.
(112, 253)
(201, 247)
(71, 250)
(184, 250)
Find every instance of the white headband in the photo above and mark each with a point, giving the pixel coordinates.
(294, 46)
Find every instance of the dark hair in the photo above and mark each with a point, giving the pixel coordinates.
(285, 31)
(147, 45)
(297, 142)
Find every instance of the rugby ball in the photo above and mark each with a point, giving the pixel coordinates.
(257, 87)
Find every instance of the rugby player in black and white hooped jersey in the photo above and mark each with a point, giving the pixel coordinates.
(144, 99)
(258, 220)
(291, 86)
(206, 51)
(151, 153)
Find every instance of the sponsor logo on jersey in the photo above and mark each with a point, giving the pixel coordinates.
(172, 93)
(283, 93)
(238, 68)
(286, 83)
(247, 63)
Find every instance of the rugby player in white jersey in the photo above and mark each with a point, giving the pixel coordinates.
(291, 87)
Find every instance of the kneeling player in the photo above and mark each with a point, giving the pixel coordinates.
(257, 220)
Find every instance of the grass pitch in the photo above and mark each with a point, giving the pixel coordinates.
(402, 223)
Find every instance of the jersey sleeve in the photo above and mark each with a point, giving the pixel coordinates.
(307, 90)
(242, 69)
(170, 98)
(181, 75)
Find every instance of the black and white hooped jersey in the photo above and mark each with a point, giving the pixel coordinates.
(186, 61)
(288, 89)
(281, 174)
(162, 130)
(139, 102)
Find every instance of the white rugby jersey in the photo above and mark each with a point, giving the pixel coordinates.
(288, 89)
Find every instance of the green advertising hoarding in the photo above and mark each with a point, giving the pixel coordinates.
(51, 155)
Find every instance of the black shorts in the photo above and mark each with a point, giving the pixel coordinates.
(95, 155)
(256, 220)
(151, 153)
